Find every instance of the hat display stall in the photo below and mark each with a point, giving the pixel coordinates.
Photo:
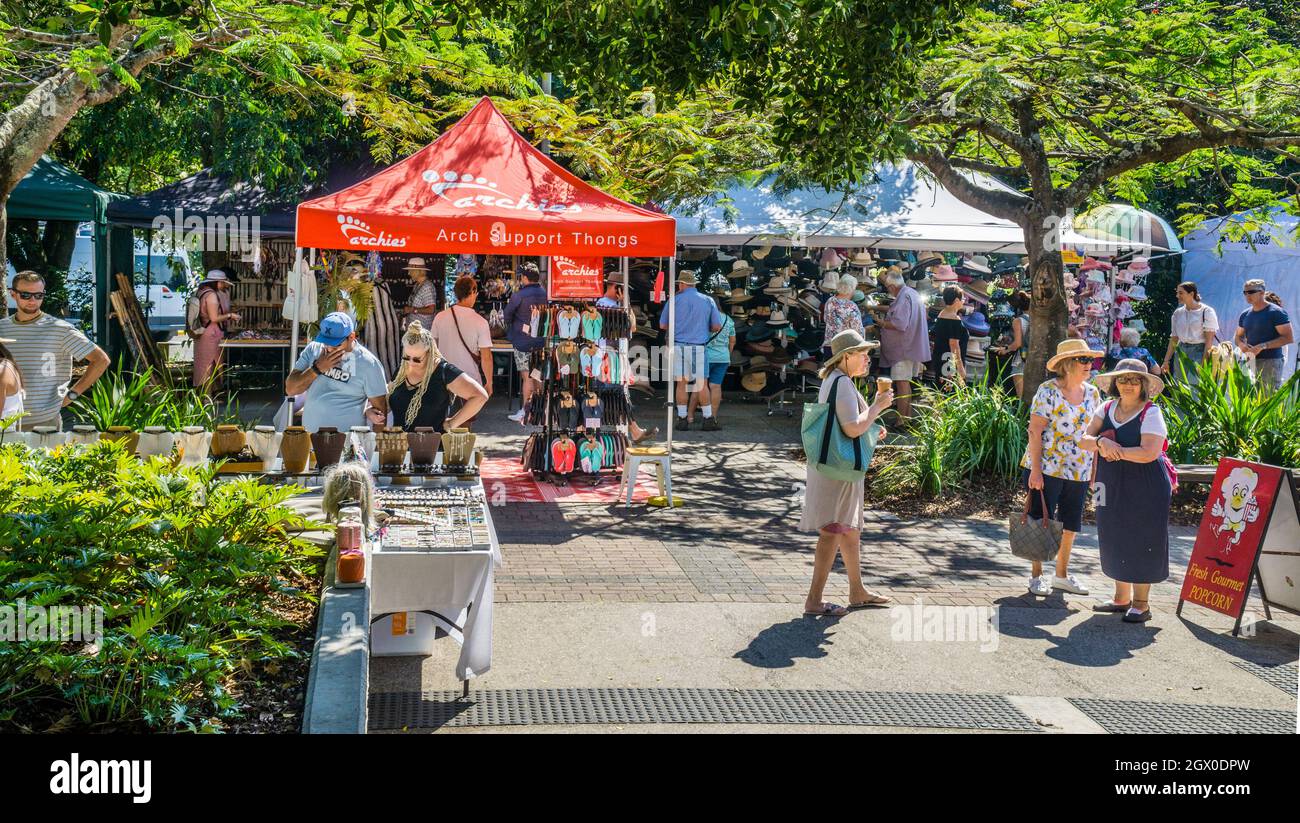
(830, 259)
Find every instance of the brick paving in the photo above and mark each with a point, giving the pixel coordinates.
(735, 539)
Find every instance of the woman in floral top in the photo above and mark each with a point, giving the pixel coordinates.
(841, 312)
(1055, 461)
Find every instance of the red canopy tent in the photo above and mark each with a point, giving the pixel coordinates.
(482, 188)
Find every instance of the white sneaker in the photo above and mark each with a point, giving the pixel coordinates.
(1039, 586)
(1069, 584)
(518, 416)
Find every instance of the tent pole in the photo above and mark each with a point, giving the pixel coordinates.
(672, 337)
(297, 304)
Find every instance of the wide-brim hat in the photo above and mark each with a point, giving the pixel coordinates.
(1138, 292)
(778, 319)
(862, 258)
(845, 343)
(754, 381)
(739, 296)
(740, 270)
(976, 323)
(945, 274)
(811, 301)
(1091, 263)
(216, 276)
(759, 332)
(1105, 382)
(830, 259)
(1072, 347)
(415, 263)
(1006, 267)
(1139, 265)
(757, 363)
(974, 266)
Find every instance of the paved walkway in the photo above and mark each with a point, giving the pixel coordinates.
(709, 596)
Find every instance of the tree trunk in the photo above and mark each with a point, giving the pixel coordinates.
(4, 257)
(1048, 314)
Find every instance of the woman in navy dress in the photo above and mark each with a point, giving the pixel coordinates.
(1133, 487)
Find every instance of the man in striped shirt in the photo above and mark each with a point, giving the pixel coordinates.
(45, 348)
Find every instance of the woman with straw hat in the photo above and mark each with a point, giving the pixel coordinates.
(1133, 487)
(833, 508)
(1055, 461)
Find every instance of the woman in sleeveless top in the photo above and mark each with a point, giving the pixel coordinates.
(1133, 487)
(11, 383)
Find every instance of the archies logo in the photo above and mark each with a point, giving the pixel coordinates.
(442, 183)
(359, 233)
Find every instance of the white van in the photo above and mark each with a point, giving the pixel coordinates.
(161, 294)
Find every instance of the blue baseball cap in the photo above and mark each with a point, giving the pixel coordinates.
(335, 328)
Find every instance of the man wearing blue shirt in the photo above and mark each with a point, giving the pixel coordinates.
(344, 382)
(697, 320)
(519, 317)
(1263, 330)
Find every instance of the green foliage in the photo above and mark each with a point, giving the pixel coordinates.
(1229, 416)
(132, 399)
(192, 576)
(962, 437)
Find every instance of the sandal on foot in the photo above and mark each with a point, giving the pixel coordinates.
(646, 435)
(1111, 607)
(872, 601)
(827, 610)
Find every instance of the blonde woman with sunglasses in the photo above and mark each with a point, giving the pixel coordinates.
(422, 391)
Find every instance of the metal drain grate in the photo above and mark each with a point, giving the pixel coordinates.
(1283, 675)
(1137, 716)
(531, 707)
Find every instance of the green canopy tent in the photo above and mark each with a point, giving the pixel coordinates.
(52, 191)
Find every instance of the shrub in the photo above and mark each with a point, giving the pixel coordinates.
(1229, 416)
(189, 573)
(125, 399)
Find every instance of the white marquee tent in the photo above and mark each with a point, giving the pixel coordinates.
(1220, 266)
(904, 209)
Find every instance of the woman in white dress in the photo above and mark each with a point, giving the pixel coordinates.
(11, 383)
(1192, 330)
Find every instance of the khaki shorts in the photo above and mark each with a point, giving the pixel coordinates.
(906, 370)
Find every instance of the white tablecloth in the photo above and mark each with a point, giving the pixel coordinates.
(455, 584)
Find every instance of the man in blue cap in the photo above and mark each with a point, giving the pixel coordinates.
(344, 382)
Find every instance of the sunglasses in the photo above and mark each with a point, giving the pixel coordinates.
(1252, 291)
(1128, 381)
(30, 295)
(1082, 359)
(416, 360)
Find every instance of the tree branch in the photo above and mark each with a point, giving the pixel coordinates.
(1005, 204)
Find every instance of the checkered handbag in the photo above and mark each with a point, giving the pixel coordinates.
(1032, 539)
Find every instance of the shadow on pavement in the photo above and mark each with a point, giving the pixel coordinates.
(779, 645)
(1272, 644)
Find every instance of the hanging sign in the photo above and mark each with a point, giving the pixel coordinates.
(1249, 527)
(576, 278)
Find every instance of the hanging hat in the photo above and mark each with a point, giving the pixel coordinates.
(736, 358)
(740, 270)
(1003, 311)
(1073, 347)
(415, 263)
(976, 265)
(978, 296)
(1139, 265)
(1092, 263)
(1095, 275)
(777, 285)
(1102, 295)
(762, 253)
(1071, 282)
(1129, 366)
(830, 259)
(759, 332)
(754, 381)
(778, 319)
(926, 259)
(830, 282)
(1138, 325)
(739, 296)
(1126, 310)
(1006, 267)
(1138, 292)
(976, 324)
(862, 258)
(1095, 309)
(945, 274)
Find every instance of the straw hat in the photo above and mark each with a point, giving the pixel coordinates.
(739, 296)
(1072, 347)
(754, 381)
(843, 344)
(740, 270)
(862, 258)
(778, 319)
(1105, 382)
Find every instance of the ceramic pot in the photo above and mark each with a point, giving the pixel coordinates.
(328, 444)
(46, 437)
(457, 447)
(155, 440)
(295, 448)
(423, 443)
(193, 443)
(227, 441)
(83, 435)
(351, 566)
(392, 449)
(265, 443)
(129, 439)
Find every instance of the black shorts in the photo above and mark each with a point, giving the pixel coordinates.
(1065, 500)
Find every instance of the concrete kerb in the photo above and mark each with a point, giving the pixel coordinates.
(338, 685)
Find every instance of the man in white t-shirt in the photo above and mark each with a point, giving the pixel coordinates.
(463, 336)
